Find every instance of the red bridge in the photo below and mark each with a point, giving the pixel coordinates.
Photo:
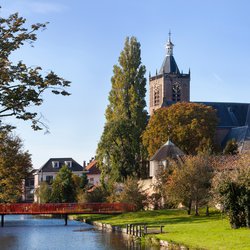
(64, 209)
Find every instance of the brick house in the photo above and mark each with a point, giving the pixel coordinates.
(93, 172)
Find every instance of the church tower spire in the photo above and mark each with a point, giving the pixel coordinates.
(169, 85)
(169, 45)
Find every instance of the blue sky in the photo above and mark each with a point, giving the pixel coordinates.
(84, 40)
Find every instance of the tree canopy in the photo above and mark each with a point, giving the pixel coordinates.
(191, 182)
(231, 189)
(190, 126)
(22, 86)
(15, 163)
(120, 150)
(63, 186)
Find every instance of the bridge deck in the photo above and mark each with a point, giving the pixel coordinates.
(65, 208)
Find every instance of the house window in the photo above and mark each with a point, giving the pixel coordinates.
(91, 180)
(55, 164)
(68, 164)
(49, 179)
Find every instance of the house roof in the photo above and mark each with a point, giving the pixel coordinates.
(48, 166)
(168, 150)
(169, 66)
(92, 168)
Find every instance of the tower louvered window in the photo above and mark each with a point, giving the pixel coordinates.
(176, 92)
(156, 95)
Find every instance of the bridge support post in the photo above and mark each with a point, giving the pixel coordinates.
(66, 219)
(2, 220)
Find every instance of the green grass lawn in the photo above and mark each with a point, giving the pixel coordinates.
(196, 232)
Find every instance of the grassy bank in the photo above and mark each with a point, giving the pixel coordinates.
(211, 232)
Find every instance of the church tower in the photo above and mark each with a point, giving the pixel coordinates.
(169, 85)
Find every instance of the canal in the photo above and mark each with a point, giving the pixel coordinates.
(25, 232)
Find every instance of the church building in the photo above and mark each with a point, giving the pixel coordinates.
(170, 85)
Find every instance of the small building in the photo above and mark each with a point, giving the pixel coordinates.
(161, 158)
(93, 172)
(50, 169)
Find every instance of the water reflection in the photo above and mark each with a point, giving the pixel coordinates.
(34, 233)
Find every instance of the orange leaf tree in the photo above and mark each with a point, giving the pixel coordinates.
(190, 126)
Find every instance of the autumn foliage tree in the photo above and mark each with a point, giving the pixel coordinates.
(190, 126)
(190, 183)
(120, 151)
(15, 164)
(22, 86)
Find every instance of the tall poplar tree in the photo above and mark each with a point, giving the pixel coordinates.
(120, 151)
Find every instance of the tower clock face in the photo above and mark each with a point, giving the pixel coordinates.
(176, 92)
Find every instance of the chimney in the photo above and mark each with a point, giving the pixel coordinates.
(84, 164)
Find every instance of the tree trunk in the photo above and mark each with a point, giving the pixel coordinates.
(248, 216)
(189, 207)
(196, 208)
(207, 211)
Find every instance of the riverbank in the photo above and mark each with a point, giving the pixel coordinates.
(202, 232)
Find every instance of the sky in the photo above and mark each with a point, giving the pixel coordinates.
(84, 39)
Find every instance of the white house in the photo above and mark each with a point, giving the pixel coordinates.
(50, 169)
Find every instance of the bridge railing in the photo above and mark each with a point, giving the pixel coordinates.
(29, 208)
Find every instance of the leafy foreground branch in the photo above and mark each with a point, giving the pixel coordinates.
(21, 86)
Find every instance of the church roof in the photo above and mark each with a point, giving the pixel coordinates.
(168, 150)
(231, 114)
(169, 65)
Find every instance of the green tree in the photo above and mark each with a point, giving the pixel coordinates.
(15, 164)
(21, 86)
(97, 194)
(190, 183)
(80, 182)
(63, 187)
(190, 126)
(132, 193)
(84, 181)
(43, 192)
(120, 151)
(231, 189)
